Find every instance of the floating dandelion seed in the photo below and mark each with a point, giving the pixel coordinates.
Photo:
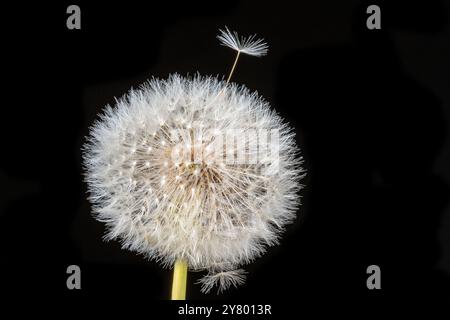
(224, 279)
(180, 200)
(250, 45)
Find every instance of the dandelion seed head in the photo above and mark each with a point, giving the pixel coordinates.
(206, 211)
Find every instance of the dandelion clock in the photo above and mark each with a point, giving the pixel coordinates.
(196, 173)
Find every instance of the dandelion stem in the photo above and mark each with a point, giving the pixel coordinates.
(234, 66)
(179, 280)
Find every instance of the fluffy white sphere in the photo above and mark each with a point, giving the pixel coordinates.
(194, 169)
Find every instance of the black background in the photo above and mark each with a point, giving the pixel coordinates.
(371, 109)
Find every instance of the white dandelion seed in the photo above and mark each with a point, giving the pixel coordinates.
(223, 279)
(251, 45)
(211, 214)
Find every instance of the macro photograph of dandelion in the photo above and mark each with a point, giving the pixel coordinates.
(228, 160)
